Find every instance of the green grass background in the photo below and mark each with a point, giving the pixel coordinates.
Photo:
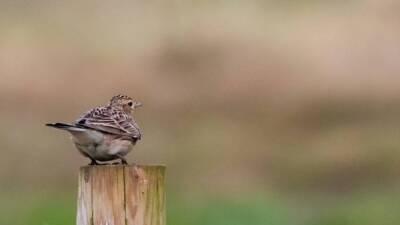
(60, 209)
(264, 111)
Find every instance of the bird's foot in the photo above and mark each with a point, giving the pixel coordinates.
(93, 162)
(123, 162)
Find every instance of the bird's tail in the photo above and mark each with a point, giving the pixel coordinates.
(64, 126)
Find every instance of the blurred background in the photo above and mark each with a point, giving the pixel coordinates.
(282, 112)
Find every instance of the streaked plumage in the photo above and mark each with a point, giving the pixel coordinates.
(107, 132)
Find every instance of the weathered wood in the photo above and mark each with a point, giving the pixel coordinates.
(121, 195)
(145, 203)
(85, 212)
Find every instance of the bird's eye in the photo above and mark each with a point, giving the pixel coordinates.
(130, 103)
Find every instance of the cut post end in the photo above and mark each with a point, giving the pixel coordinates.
(121, 195)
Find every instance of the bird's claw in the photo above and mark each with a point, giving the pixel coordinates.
(95, 163)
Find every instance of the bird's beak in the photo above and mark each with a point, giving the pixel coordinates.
(137, 105)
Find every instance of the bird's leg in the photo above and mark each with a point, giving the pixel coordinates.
(123, 160)
(93, 162)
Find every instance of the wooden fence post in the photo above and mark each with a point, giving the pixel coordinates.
(121, 195)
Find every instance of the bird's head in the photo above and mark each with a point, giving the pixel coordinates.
(126, 103)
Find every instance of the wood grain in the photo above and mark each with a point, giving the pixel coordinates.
(121, 195)
(85, 212)
(145, 199)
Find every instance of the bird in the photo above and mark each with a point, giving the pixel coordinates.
(107, 132)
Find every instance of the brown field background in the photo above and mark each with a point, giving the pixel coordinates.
(295, 101)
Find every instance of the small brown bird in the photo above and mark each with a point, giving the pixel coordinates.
(107, 132)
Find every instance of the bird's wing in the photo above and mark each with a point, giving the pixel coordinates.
(110, 121)
(126, 123)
